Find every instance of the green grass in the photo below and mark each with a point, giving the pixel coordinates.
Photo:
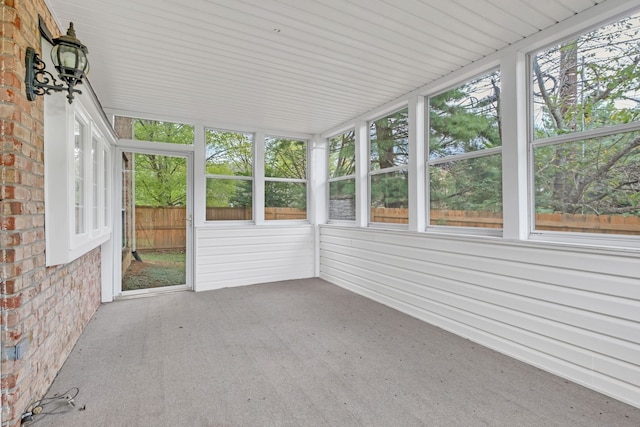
(157, 269)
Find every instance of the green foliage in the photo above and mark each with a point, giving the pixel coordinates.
(158, 131)
(390, 190)
(232, 193)
(462, 120)
(465, 118)
(285, 194)
(345, 188)
(285, 158)
(389, 148)
(160, 180)
(472, 184)
(229, 154)
(588, 83)
(389, 140)
(342, 155)
(598, 176)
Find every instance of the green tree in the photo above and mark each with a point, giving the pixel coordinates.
(590, 82)
(389, 148)
(160, 180)
(342, 156)
(462, 120)
(228, 154)
(159, 131)
(285, 159)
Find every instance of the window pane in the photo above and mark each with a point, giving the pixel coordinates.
(467, 193)
(342, 199)
(590, 186)
(229, 153)
(466, 118)
(106, 168)
(79, 166)
(389, 200)
(127, 197)
(95, 158)
(285, 200)
(588, 82)
(153, 130)
(389, 140)
(285, 158)
(160, 180)
(229, 199)
(342, 155)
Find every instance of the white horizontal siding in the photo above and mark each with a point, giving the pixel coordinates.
(572, 311)
(237, 256)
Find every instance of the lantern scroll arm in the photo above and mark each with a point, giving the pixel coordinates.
(39, 81)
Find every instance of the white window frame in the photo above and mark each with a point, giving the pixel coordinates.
(78, 237)
(568, 237)
(63, 244)
(106, 187)
(266, 179)
(493, 232)
(343, 177)
(392, 169)
(233, 177)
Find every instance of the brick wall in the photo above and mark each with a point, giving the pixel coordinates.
(342, 208)
(43, 310)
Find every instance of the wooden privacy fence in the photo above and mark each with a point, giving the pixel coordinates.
(161, 228)
(226, 214)
(609, 224)
(164, 228)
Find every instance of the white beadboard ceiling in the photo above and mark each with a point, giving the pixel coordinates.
(288, 65)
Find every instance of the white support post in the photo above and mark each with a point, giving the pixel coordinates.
(417, 167)
(199, 178)
(317, 186)
(513, 73)
(317, 180)
(362, 175)
(258, 178)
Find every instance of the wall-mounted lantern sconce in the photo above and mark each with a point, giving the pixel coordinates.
(69, 56)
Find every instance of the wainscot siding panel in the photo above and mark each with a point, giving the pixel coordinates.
(571, 306)
(238, 256)
(571, 310)
(567, 343)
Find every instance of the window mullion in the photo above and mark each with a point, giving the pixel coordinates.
(417, 169)
(362, 177)
(258, 182)
(514, 146)
(464, 156)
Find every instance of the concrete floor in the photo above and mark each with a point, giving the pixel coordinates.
(301, 353)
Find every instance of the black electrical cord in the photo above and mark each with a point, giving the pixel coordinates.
(38, 409)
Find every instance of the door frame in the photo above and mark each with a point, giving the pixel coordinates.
(161, 149)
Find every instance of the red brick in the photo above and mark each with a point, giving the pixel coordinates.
(8, 382)
(8, 223)
(10, 239)
(7, 159)
(10, 79)
(11, 302)
(11, 208)
(7, 255)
